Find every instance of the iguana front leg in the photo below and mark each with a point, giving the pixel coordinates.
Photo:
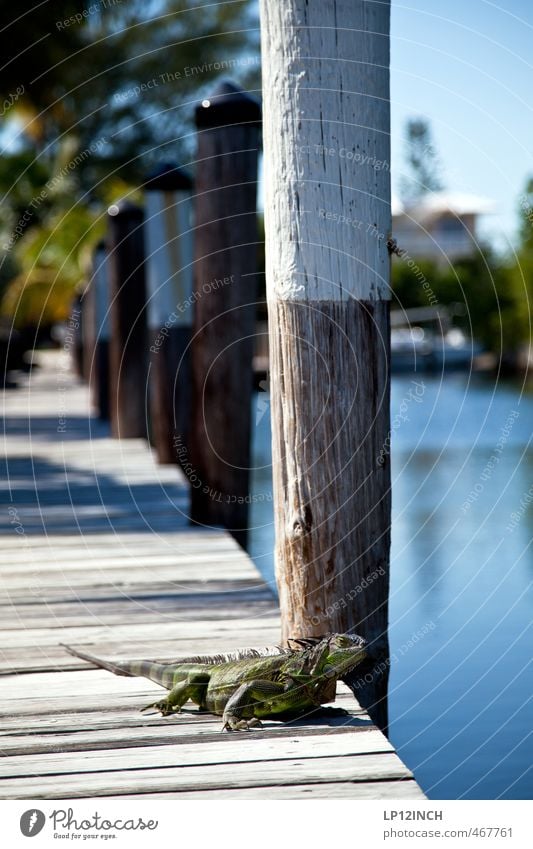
(193, 688)
(240, 710)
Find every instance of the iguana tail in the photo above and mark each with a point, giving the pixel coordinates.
(161, 673)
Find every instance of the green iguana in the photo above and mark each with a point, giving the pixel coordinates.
(250, 685)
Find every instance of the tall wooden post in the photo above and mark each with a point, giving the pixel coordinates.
(99, 373)
(127, 344)
(76, 320)
(327, 220)
(169, 275)
(87, 331)
(225, 295)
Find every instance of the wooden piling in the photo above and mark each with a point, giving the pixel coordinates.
(327, 221)
(99, 372)
(88, 331)
(76, 322)
(228, 125)
(128, 337)
(169, 275)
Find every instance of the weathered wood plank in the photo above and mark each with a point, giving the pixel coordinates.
(117, 556)
(50, 692)
(106, 572)
(206, 728)
(62, 702)
(139, 592)
(184, 538)
(34, 658)
(386, 767)
(115, 550)
(162, 631)
(189, 721)
(403, 789)
(219, 606)
(119, 577)
(230, 748)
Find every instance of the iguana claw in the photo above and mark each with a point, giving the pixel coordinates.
(164, 707)
(233, 723)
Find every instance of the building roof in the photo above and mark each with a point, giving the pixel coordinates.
(437, 203)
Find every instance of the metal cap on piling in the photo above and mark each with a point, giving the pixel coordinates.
(228, 104)
(168, 177)
(124, 209)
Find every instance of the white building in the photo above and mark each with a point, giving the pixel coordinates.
(441, 226)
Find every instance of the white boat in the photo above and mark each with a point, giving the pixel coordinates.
(437, 346)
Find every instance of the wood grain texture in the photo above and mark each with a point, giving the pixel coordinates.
(326, 137)
(332, 494)
(405, 789)
(177, 731)
(327, 225)
(262, 773)
(252, 748)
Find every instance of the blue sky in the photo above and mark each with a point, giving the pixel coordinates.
(467, 67)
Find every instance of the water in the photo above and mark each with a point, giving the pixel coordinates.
(461, 566)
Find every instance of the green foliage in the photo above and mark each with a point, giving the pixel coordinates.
(475, 289)
(53, 260)
(407, 282)
(480, 287)
(127, 74)
(526, 217)
(519, 274)
(423, 165)
(100, 91)
(22, 178)
(48, 231)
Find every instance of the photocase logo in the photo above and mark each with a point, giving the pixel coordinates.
(32, 822)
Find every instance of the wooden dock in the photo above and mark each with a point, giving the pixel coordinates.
(96, 550)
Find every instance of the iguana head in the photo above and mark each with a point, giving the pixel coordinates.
(338, 654)
(320, 661)
(332, 655)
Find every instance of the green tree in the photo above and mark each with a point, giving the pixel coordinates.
(126, 73)
(478, 285)
(519, 276)
(407, 280)
(423, 169)
(475, 289)
(98, 92)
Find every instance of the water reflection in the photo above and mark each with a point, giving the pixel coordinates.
(459, 694)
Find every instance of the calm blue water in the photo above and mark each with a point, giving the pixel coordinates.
(462, 562)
